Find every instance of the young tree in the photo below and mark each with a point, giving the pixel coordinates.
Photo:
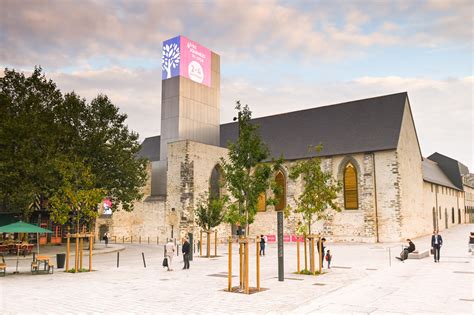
(319, 192)
(210, 213)
(246, 173)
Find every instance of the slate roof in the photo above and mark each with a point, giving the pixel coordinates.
(451, 167)
(150, 148)
(432, 173)
(366, 125)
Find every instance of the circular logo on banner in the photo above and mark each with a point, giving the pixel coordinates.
(195, 71)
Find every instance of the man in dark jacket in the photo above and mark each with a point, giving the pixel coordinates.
(186, 251)
(407, 250)
(436, 243)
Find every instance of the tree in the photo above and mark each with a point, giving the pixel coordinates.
(41, 131)
(27, 145)
(245, 172)
(76, 197)
(210, 213)
(319, 192)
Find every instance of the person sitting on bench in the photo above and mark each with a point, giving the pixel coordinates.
(407, 250)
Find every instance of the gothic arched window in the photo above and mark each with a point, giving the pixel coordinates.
(216, 181)
(351, 200)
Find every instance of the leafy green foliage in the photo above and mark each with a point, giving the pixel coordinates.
(50, 141)
(319, 192)
(76, 195)
(210, 211)
(246, 176)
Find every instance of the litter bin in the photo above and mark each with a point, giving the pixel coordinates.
(60, 260)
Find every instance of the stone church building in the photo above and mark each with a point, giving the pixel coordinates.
(390, 191)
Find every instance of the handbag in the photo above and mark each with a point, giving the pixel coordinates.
(432, 251)
(165, 262)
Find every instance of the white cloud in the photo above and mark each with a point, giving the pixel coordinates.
(59, 34)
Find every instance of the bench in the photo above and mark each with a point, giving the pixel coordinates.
(419, 254)
(3, 266)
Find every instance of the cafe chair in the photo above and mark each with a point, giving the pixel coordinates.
(3, 266)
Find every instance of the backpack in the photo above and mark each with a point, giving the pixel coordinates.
(165, 262)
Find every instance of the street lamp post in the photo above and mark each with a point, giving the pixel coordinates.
(238, 119)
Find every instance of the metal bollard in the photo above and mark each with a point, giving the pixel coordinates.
(118, 259)
(177, 250)
(144, 263)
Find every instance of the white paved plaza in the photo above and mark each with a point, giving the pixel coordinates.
(361, 281)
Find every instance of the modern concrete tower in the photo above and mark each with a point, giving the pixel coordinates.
(190, 100)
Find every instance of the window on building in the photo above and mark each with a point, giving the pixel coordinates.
(452, 215)
(262, 202)
(431, 187)
(281, 197)
(216, 181)
(351, 200)
(440, 212)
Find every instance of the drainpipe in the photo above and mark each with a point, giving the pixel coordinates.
(375, 203)
(437, 215)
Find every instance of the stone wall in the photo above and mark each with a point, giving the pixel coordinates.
(440, 201)
(357, 225)
(189, 169)
(415, 219)
(147, 220)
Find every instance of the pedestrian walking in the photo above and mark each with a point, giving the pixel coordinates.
(106, 238)
(186, 249)
(436, 243)
(262, 245)
(328, 258)
(170, 249)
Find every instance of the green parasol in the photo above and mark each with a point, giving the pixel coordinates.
(23, 227)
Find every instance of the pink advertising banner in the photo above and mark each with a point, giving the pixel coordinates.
(195, 62)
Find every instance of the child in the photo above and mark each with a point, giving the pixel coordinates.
(328, 258)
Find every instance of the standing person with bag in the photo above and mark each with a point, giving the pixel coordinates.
(170, 249)
(186, 251)
(436, 243)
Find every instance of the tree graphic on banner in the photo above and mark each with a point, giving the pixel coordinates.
(170, 58)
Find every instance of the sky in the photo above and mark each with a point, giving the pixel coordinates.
(276, 56)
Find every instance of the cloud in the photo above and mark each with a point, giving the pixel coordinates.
(60, 34)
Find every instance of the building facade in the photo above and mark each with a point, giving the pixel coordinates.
(390, 192)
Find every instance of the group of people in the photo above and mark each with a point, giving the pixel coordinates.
(170, 250)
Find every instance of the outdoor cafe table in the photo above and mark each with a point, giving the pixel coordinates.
(42, 259)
